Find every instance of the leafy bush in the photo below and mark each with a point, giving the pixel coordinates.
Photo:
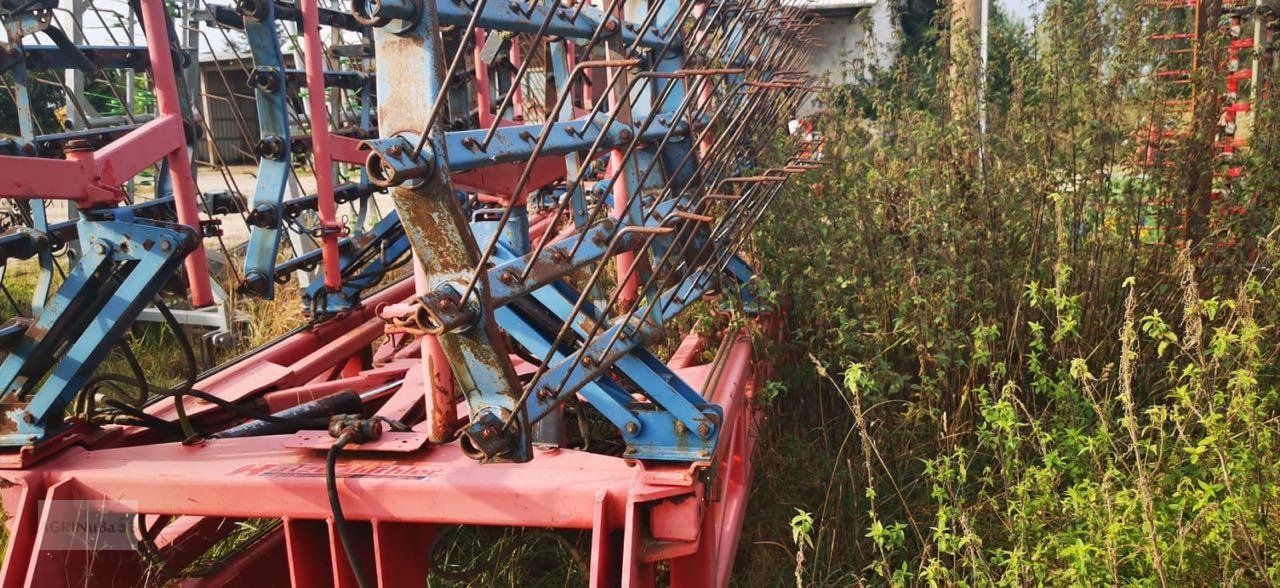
(1031, 359)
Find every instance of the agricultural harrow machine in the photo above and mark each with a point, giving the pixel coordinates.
(494, 213)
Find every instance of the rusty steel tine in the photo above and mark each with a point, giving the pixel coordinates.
(515, 82)
(487, 254)
(700, 34)
(727, 71)
(689, 157)
(577, 182)
(649, 283)
(442, 97)
(740, 226)
(648, 230)
(751, 33)
(577, 310)
(689, 97)
(594, 278)
(613, 300)
(631, 85)
(736, 204)
(703, 35)
(752, 179)
(685, 215)
(681, 14)
(759, 214)
(632, 145)
(596, 327)
(769, 85)
(686, 6)
(610, 19)
(650, 13)
(578, 12)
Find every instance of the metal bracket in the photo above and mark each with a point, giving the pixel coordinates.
(125, 263)
(391, 162)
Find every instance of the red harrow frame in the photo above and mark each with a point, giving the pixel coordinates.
(568, 178)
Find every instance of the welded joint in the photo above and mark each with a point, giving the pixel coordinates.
(487, 436)
(400, 17)
(391, 161)
(442, 311)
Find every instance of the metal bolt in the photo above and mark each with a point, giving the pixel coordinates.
(101, 248)
(395, 151)
(508, 277)
(626, 134)
(165, 246)
(28, 418)
(704, 430)
(77, 145)
(633, 428)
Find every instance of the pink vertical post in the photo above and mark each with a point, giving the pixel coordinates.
(705, 94)
(325, 205)
(441, 403)
(621, 200)
(184, 185)
(630, 288)
(484, 102)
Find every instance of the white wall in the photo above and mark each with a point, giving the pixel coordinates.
(856, 41)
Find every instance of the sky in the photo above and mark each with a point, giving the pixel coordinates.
(1022, 9)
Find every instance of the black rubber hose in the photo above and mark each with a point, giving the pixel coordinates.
(345, 402)
(335, 505)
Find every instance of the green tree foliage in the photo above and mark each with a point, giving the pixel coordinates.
(45, 100)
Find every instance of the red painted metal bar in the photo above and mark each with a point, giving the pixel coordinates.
(331, 229)
(92, 178)
(659, 509)
(184, 186)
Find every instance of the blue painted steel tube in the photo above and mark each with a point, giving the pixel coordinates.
(274, 164)
(519, 17)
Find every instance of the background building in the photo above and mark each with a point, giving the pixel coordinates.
(860, 35)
